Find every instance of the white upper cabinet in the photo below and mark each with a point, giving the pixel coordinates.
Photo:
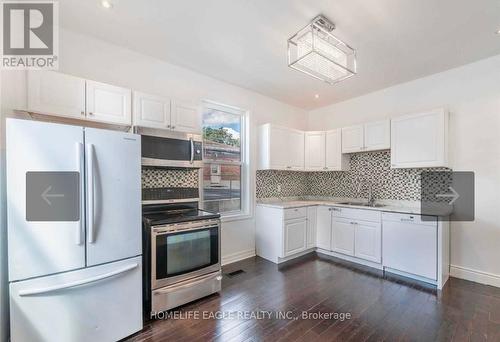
(352, 139)
(280, 148)
(54, 93)
(160, 112)
(295, 149)
(315, 151)
(377, 135)
(186, 117)
(420, 140)
(151, 111)
(335, 160)
(371, 136)
(58, 94)
(108, 103)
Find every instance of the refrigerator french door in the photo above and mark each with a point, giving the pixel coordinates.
(38, 248)
(55, 263)
(113, 177)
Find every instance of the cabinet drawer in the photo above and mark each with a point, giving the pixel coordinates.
(295, 213)
(410, 218)
(357, 214)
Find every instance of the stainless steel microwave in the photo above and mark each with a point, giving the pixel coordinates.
(164, 148)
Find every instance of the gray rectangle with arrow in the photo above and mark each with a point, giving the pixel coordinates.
(52, 196)
(448, 195)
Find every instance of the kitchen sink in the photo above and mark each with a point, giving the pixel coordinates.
(363, 204)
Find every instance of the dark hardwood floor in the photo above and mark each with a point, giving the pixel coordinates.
(381, 309)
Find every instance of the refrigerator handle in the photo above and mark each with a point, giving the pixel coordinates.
(76, 283)
(90, 192)
(81, 163)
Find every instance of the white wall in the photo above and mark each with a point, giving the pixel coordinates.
(4, 293)
(90, 58)
(472, 95)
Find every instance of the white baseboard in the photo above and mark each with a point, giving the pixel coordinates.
(475, 275)
(230, 258)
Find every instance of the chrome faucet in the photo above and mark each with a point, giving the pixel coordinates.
(371, 199)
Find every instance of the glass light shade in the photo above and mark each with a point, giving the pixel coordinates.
(320, 54)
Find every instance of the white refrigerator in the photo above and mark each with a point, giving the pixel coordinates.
(74, 232)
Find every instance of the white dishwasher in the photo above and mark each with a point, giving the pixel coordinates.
(410, 244)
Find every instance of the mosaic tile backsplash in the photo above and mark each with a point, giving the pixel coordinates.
(372, 167)
(175, 178)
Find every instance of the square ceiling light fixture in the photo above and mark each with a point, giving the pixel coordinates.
(318, 53)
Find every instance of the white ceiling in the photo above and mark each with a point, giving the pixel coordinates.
(243, 42)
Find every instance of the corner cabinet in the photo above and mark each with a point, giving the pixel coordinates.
(315, 151)
(335, 160)
(323, 151)
(420, 140)
(280, 148)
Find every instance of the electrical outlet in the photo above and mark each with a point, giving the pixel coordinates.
(279, 188)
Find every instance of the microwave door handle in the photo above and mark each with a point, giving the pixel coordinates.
(192, 150)
(90, 192)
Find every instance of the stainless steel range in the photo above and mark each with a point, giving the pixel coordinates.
(181, 249)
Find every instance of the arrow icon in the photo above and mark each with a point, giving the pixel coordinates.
(454, 195)
(45, 195)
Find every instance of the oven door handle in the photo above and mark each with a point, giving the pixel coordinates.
(191, 159)
(188, 284)
(185, 230)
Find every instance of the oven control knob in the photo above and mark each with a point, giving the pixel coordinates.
(198, 151)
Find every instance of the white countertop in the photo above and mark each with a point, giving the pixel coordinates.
(406, 207)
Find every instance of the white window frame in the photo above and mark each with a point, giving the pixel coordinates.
(245, 191)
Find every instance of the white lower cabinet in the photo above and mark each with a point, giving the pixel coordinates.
(343, 236)
(283, 233)
(324, 227)
(368, 241)
(295, 236)
(311, 226)
(358, 238)
(352, 232)
(405, 244)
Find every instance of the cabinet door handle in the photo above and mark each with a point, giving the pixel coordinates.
(90, 113)
(82, 113)
(352, 222)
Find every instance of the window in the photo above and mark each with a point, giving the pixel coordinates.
(224, 175)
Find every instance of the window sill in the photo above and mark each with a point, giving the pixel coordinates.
(235, 217)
